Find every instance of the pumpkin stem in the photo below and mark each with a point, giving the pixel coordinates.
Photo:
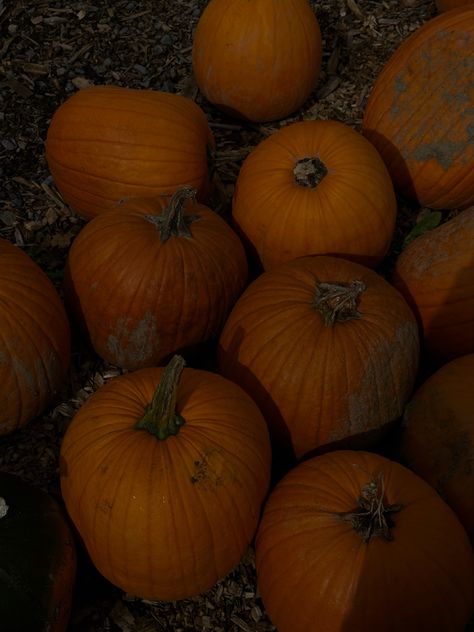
(337, 302)
(173, 222)
(309, 172)
(372, 518)
(161, 418)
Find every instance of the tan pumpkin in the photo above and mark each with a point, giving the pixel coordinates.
(326, 347)
(257, 60)
(419, 114)
(315, 187)
(163, 472)
(152, 277)
(438, 437)
(106, 143)
(435, 273)
(350, 541)
(34, 339)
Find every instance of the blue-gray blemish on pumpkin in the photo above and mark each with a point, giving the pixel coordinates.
(141, 341)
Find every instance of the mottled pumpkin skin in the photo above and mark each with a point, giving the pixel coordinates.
(447, 5)
(140, 299)
(106, 143)
(34, 339)
(435, 273)
(316, 573)
(257, 60)
(438, 438)
(166, 519)
(350, 213)
(318, 384)
(37, 560)
(420, 117)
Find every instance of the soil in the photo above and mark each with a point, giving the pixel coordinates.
(48, 50)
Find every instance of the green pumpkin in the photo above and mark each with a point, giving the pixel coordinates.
(37, 559)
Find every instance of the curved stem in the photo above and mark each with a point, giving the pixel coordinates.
(173, 222)
(161, 418)
(337, 302)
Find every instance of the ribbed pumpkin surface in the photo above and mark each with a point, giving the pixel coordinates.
(106, 143)
(165, 519)
(420, 116)
(315, 383)
(34, 339)
(316, 572)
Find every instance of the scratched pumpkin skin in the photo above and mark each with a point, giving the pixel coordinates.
(420, 116)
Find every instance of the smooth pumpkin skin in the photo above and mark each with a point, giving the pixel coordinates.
(447, 5)
(318, 384)
(419, 114)
(166, 519)
(37, 560)
(350, 213)
(34, 339)
(315, 572)
(438, 437)
(435, 273)
(106, 143)
(140, 299)
(257, 60)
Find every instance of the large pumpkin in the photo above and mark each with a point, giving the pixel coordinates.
(438, 437)
(326, 347)
(34, 339)
(353, 541)
(315, 187)
(257, 60)
(435, 273)
(106, 143)
(420, 117)
(154, 276)
(165, 486)
(37, 559)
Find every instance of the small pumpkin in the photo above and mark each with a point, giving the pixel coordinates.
(447, 5)
(165, 484)
(419, 114)
(435, 273)
(34, 339)
(327, 349)
(37, 559)
(438, 436)
(315, 187)
(353, 541)
(257, 60)
(152, 277)
(106, 143)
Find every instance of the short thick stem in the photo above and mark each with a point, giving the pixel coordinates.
(308, 172)
(337, 302)
(173, 222)
(161, 418)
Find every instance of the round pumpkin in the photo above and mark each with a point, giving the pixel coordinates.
(435, 273)
(326, 347)
(154, 276)
(106, 143)
(353, 541)
(37, 559)
(447, 5)
(165, 485)
(34, 339)
(420, 117)
(257, 60)
(315, 187)
(438, 437)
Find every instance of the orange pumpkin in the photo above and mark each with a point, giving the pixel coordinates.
(165, 487)
(438, 438)
(420, 117)
(326, 347)
(353, 541)
(34, 339)
(435, 273)
(106, 143)
(315, 187)
(257, 60)
(153, 277)
(447, 5)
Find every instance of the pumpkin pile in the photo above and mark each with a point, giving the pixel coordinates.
(317, 347)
